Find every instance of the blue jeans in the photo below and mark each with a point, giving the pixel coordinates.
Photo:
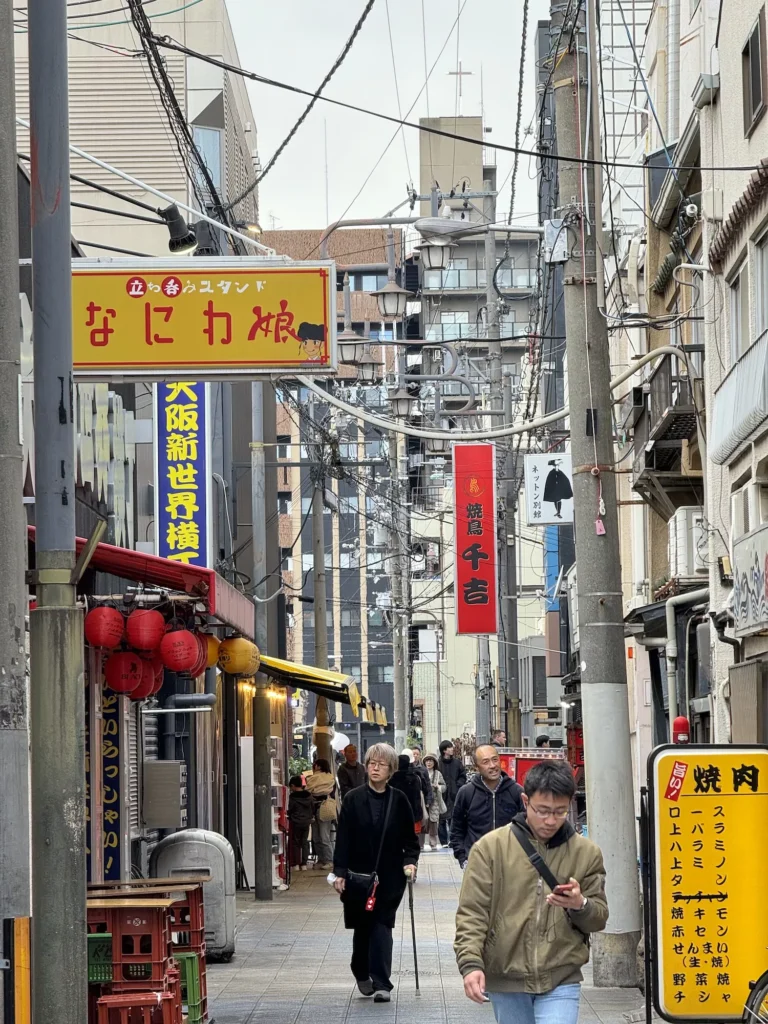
(560, 1006)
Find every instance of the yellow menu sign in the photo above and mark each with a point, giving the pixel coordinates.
(211, 318)
(709, 824)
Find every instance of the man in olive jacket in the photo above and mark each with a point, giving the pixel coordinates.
(518, 942)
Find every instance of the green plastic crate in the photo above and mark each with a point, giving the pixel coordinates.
(196, 1012)
(189, 966)
(99, 958)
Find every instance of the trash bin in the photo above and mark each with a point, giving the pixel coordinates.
(197, 851)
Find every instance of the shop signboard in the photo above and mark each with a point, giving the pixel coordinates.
(548, 489)
(209, 319)
(708, 829)
(183, 504)
(475, 556)
(112, 786)
(750, 582)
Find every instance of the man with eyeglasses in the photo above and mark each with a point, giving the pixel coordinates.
(531, 896)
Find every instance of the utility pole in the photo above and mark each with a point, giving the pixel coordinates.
(509, 665)
(610, 803)
(399, 618)
(322, 732)
(14, 716)
(59, 960)
(262, 718)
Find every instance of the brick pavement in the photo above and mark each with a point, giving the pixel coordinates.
(292, 962)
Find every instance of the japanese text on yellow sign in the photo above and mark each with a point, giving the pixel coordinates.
(181, 487)
(710, 828)
(146, 319)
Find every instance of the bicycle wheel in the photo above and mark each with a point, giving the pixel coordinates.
(756, 1007)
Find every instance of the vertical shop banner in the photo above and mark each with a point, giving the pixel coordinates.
(111, 786)
(548, 489)
(182, 472)
(475, 555)
(708, 834)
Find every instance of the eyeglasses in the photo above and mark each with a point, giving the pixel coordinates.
(548, 813)
(378, 764)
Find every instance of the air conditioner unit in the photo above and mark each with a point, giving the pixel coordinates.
(687, 542)
(415, 460)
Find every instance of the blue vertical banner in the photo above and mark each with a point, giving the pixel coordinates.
(182, 472)
(111, 786)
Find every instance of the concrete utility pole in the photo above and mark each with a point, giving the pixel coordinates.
(610, 801)
(509, 665)
(14, 718)
(322, 732)
(262, 725)
(399, 644)
(59, 961)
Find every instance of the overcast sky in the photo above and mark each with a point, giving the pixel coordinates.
(297, 41)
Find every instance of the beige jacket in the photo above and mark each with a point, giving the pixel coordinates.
(505, 927)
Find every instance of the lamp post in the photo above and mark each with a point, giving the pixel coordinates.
(351, 346)
(392, 300)
(436, 255)
(369, 369)
(402, 403)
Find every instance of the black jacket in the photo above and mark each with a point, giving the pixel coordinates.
(479, 810)
(301, 809)
(350, 777)
(455, 775)
(426, 785)
(409, 783)
(357, 842)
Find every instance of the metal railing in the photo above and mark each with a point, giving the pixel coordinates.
(467, 331)
(668, 388)
(455, 280)
(740, 404)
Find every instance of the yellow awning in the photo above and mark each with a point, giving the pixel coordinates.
(333, 685)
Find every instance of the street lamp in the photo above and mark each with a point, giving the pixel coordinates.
(392, 299)
(369, 369)
(438, 445)
(351, 346)
(402, 402)
(436, 255)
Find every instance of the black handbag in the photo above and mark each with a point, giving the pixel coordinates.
(361, 886)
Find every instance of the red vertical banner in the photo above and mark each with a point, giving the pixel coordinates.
(475, 550)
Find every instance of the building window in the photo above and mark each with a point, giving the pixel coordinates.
(349, 560)
(284, 446)
(425, 559)
(355, 671)
(286, 559)
(284, 503)
(739, 312)
(761, 285)
(753, 74)
(307, 561)
(539, 682)
(208, 143)
(350, 617)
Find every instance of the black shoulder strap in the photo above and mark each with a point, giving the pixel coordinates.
(390, 798)
(534, 856)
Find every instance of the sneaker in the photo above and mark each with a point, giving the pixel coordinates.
(426, 849)
(365, 987)
(382, 996)
(325, 867)
(304, 867)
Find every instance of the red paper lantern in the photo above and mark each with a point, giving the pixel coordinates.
(104, 627)
(145, 629)
(202, 661)
(159, 669)
(123, 672)
(179, 650)
(145, 687)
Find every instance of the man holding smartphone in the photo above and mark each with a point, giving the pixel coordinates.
(532, 894)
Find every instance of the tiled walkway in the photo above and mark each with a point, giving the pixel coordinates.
(292, 962)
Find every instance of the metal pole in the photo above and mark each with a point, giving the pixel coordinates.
(598, 568)
(262, 726)
(59, 962)
(509, 659)
(434, 201)
(398, 642)
(14, 714)
(322, 732)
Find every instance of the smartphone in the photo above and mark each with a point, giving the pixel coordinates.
(563, 890)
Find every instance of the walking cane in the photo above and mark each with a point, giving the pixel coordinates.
(413, 932)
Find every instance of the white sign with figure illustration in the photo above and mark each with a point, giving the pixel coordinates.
(548, 489)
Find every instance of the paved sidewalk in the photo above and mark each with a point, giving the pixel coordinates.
(292, 962)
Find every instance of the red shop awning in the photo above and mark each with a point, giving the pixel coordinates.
(224, 602)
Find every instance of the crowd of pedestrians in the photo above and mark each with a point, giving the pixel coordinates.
(533, 889)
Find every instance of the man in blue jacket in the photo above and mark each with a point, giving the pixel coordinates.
(488, 801)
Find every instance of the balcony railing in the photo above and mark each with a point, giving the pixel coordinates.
(459, 332)
(455, 280)
(740, 405)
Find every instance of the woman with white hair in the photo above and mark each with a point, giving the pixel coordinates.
(376, 853)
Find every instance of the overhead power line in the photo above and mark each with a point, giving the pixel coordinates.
(315, 97)
(171, 44)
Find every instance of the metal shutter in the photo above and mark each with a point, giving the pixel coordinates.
(133, 770)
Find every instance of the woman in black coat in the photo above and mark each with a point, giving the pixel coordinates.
(364, 813)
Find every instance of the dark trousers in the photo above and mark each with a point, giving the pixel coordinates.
(372, 954)
(299, 845)
(444, 829)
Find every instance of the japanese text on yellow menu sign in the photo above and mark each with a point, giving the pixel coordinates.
(232, 319)
(711, 837)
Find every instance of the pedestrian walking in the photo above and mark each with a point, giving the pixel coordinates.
(455, 775)
(322, 786)
(426, 791)
(542, 742)
(351, 773)
(488, 801)
(531, 897)
(409, 783)
(437, 805)
(300, 815)
(499, 738)
(376, 854)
